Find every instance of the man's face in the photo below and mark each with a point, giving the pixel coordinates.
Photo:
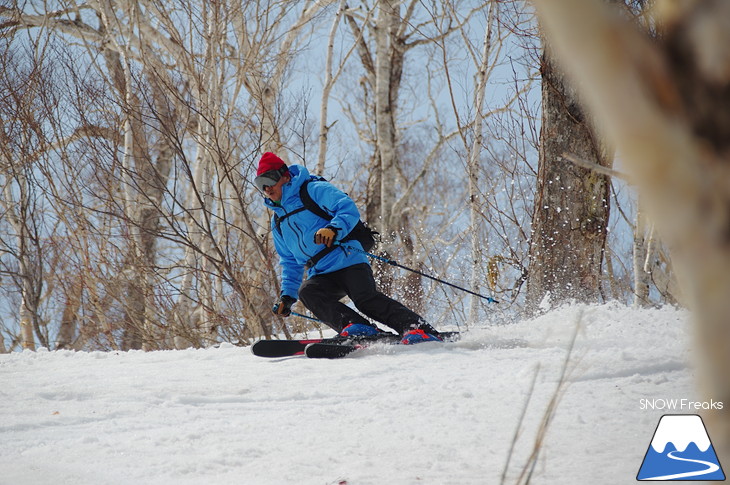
(273, 192)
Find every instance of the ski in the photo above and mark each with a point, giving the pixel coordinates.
(289, 348)
(281, 348)
(330, 351)
(336, 350)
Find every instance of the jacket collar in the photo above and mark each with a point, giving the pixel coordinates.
(290, 190)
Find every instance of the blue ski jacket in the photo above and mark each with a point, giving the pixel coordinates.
(294, 236)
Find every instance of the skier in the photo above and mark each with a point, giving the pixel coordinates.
(302, 237)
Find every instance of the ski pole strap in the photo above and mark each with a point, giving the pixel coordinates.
(395, 263)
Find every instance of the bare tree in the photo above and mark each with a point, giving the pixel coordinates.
(167, 106)
(572, 203)
(385, 35)
(190, 93)
(22, 247)
(472, 172)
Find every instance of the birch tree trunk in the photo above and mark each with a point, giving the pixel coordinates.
(27, 273)
(20, 138)
(391, 185)
(652, 266)
(385, 99)
(17, 206)
(642, 280)
(478, 245)
(329, 81)
(666, 105)
(12, 205)
(385, 95)
(138, 175)
(69, 318)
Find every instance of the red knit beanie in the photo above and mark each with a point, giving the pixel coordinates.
(269, 161)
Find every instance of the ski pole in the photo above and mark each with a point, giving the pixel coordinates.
(306, 316)
(395, 263)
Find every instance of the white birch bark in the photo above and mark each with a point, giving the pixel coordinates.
(475, 203)
(139, 305)
(26, 310)
(642, 280)
(385, 22)
(327, 89)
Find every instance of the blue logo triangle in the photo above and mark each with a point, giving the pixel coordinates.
(681, 450)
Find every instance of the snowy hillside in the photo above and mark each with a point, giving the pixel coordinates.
(428, 414)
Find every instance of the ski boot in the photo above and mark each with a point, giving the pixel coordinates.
(419, 335)
(359, 330)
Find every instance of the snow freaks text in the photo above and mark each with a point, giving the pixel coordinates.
(679, 405)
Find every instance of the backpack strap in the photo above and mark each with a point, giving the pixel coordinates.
(278, 220)
(310, 204)
(314, 207)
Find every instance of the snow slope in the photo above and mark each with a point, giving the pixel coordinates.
(428, 414)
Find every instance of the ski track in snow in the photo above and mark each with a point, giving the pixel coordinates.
(711, 468)
(426, 414)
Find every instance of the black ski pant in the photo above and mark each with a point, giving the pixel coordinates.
(322, 293)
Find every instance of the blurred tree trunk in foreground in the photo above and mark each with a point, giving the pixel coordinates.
(666, 104)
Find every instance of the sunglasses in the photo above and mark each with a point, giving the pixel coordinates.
(267, 179)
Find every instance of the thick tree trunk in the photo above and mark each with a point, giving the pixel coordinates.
(572, 203)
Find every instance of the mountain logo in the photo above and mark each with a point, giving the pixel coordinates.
(681, 450)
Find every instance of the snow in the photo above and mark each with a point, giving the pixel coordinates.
(426, 414)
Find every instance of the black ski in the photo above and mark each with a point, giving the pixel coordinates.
(289, 348)
(332, 350)
(281, 348)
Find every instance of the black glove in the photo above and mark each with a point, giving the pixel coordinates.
(325, 236)
(283, 308)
